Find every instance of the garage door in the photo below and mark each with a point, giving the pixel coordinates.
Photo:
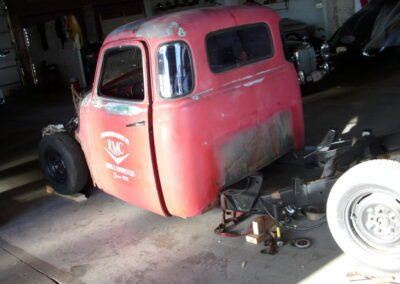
(9, 70)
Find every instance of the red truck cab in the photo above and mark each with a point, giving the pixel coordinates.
(184, 105)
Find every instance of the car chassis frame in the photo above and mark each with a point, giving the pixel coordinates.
(331, 158)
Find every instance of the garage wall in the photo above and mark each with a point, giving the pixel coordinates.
(68, 59)
(337, 12)
(308, 12)
(229, 2)
(303, 10)
(326, 15)
(89, 16)
(109, 25)
(150, 4)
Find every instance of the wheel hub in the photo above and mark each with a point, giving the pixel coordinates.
(376, 220)
(381, 221)
(56, 166)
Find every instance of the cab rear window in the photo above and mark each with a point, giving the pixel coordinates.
(175, 70)
(234, 47)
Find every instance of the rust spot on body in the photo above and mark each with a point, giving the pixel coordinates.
(251, 149)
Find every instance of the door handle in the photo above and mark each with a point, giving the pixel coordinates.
(139, 123)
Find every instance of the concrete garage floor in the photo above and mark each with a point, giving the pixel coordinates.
(104, 240)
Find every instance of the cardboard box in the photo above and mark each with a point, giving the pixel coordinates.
(263, 224)
(255, 239)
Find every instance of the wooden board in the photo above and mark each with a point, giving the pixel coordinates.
(77, 197)
(255, 239)
(262, 224)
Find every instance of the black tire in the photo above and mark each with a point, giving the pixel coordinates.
(363, 213)
(63, 163)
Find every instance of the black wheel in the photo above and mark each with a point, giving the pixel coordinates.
(63, 163)
(363, 213)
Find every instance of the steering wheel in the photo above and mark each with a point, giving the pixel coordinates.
(137, 90)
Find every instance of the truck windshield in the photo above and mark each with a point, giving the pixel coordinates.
(175, 72)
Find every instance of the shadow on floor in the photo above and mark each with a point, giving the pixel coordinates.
(22, 118)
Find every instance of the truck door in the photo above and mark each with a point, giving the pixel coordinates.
(119, 127)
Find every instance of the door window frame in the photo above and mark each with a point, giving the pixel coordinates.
(97, 82)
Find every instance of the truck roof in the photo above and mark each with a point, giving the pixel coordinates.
(191, 22)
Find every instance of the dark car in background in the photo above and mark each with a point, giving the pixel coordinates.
(372, 31)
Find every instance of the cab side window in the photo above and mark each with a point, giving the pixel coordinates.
(234, 47)
(122, 74)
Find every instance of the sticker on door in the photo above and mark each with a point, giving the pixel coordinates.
(116, 146)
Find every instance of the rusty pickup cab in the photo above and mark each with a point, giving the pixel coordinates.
(182, 106)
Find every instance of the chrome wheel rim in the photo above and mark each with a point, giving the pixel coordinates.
(374, 221)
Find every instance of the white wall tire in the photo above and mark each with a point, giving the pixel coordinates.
(363, 213)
